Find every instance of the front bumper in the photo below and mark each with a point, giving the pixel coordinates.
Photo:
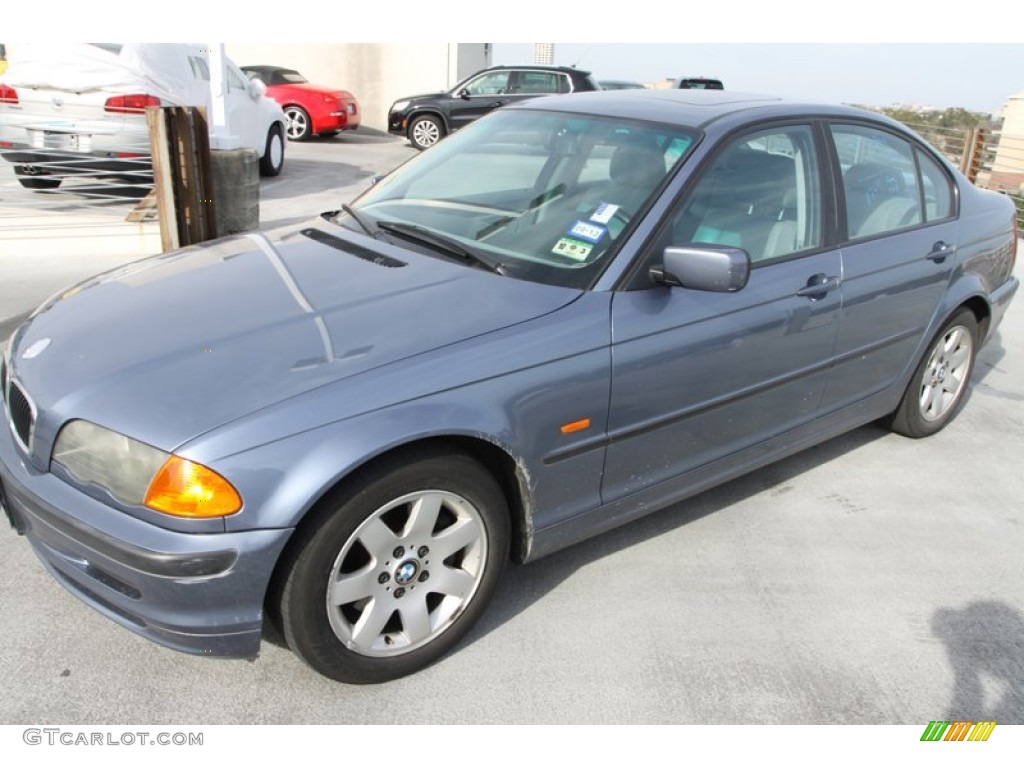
(197, 593)
(398, 123)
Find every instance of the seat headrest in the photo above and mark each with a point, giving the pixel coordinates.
(637, 164)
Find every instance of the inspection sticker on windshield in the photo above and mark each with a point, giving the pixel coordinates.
(592, 233)
(604, 213)
(572, 249)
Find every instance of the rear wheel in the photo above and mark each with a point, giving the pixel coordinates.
(300, 127)
(940, 382)
(273, 154)
(395, 568)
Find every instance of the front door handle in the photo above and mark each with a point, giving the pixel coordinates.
(819, 285)
(940, 251)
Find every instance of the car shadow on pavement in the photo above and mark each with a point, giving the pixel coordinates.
(524, 585)
(308, 177)
(985, 645)
(362, 136)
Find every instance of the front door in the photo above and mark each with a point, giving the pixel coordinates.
(698, 376)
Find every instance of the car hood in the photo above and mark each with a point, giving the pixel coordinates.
(424, 96)
(175, 345)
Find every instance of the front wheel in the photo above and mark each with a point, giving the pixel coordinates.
(273, 154)
(395, 569)
(940, 382)
(425, 131)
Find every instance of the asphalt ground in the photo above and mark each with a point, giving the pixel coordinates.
(872, 579)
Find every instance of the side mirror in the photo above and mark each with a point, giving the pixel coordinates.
(257, 88)
(377, 179)
(703, 268)
(463, 93)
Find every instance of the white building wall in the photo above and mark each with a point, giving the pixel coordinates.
(377, 73)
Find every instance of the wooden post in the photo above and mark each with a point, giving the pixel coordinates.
(182, 174)
(970, 162)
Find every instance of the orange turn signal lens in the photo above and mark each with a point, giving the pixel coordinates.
(575, 426)
(186, 489)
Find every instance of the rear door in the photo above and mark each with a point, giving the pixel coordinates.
(901, 234)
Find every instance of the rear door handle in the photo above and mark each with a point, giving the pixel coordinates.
(940, 251)
(819, 285)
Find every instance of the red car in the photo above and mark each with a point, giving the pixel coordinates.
(310, 109)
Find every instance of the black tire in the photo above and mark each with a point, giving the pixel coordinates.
(273, 154)
(406, 585)
(300, 127)
(425, 131)
(940, 382)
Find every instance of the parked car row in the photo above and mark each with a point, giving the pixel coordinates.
(69, 110)
(425, 119)
(311, 110)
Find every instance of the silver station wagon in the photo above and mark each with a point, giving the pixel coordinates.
(572, 312)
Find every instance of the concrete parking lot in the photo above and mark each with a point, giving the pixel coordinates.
(872, 579)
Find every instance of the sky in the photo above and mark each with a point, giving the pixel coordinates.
(874, 52)
(978, 77)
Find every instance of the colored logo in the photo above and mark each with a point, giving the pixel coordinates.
(959, 730)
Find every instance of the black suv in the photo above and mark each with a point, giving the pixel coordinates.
(429, 118)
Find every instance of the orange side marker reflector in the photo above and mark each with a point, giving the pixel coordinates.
(575, 426)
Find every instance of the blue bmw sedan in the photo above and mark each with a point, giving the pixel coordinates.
(571, 313)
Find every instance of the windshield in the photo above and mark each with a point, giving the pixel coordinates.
(541, 196)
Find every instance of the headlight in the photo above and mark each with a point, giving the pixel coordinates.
(137, 474)
(398, 106)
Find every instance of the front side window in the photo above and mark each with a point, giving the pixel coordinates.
(760, 193)
(546, 196)
(880, 181)
(491, 84)
(200, 69)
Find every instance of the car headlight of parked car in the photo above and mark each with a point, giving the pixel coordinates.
(398, 106)
(137, 474)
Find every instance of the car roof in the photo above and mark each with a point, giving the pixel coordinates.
(538, 68)
(693, 108)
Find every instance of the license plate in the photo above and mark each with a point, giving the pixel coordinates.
(68, 142)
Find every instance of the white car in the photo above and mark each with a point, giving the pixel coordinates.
(79, 109)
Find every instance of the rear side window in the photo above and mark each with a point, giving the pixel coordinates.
(541, 82)
(880, 181)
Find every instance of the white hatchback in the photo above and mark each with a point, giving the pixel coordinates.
(79, 109)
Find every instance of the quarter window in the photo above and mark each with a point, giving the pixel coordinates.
(880, 181)
(936, 188)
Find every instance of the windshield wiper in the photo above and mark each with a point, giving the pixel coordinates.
(448, 245)
(359, 219)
